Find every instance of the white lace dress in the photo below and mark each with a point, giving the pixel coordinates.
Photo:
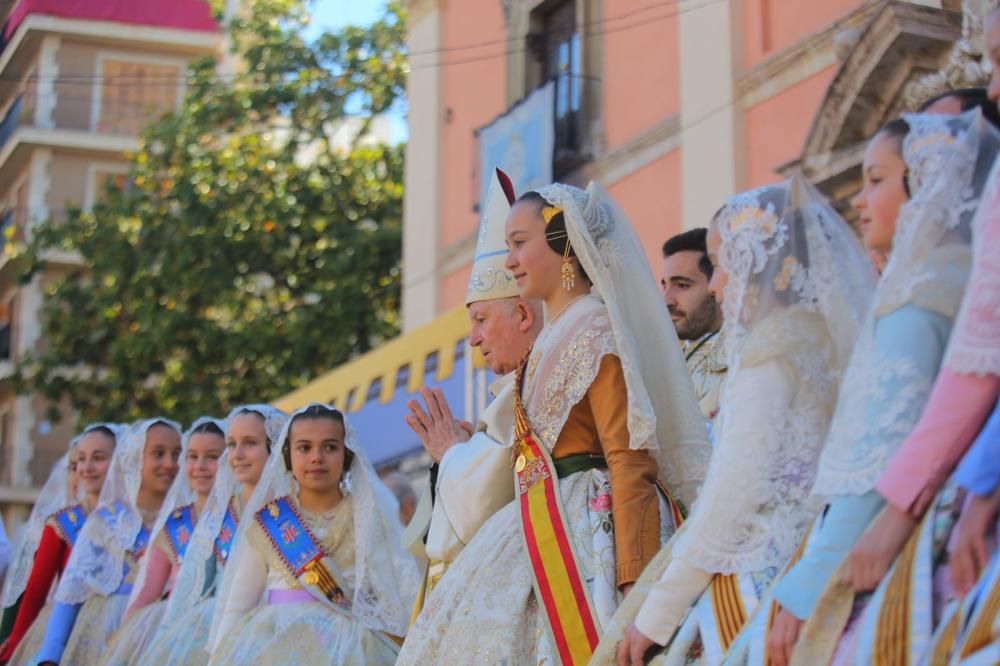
(308, 632)
(755, 506)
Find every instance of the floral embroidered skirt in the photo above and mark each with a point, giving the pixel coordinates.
(484, 609)
(131, 640)
(306, 632)
(98, 619)
(183, 642)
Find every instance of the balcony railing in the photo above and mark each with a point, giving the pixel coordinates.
(11, 121)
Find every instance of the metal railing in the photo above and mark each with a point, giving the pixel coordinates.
(11, 121)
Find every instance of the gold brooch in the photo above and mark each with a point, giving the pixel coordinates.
(272, 508)
(311, 577)
(521, 463)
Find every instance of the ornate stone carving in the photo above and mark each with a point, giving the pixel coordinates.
(965, 67)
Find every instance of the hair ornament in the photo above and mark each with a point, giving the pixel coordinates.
(549, 212)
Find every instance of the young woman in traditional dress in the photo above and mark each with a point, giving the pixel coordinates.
(251, 435)
(887, 385)
(320, 547)
(93, 593)
(55, 522)
(201, 448)
(794, 284)
(605, 410)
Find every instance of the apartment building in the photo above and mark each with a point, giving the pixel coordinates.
(78, 81)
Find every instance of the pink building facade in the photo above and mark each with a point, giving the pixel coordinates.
(672, 106)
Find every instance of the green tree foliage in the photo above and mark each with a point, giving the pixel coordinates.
(247, 254)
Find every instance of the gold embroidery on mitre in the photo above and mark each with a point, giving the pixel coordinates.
(490, 279)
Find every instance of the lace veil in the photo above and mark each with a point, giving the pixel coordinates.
(97, 560)
(180, 495)
(974, 348)
(190, 584)
(949, 159)
(663, 412)
(53, 498)
(799, 285)
(386, 576)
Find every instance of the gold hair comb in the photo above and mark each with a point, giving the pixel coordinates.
(548, 212)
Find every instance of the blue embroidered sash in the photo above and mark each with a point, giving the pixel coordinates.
(299, 550)
(178, 528)
(110, 515)
(140, 543)
(224, 541)
(68, 522)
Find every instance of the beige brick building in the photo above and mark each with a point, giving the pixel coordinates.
(78, 80)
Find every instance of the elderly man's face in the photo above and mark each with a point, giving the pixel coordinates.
(502, 329)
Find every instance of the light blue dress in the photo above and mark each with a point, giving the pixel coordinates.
(913, 334)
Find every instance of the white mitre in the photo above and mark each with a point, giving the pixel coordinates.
(490, 280)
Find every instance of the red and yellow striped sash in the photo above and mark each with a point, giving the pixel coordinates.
(892, 631)
(558, 582)
(945, 643)
(980, 633)
(727, 606)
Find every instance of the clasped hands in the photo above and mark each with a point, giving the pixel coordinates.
(436, 427)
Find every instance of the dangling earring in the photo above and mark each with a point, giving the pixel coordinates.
(567, 272)
(343, 486)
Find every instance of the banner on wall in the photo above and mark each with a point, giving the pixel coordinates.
(521, 142)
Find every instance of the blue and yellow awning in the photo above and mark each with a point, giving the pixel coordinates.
(373, 389)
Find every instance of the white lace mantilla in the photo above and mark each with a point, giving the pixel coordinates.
(949, 159)
(663, 413)
(97, 561)
(798, 285)
(777, 403)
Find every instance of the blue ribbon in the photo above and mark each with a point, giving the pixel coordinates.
(289, 536)
(70, 521)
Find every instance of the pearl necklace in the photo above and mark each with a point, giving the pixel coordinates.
(553, 320)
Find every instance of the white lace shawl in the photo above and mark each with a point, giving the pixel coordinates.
(54, 497)
(663, 412)
(974, 348)
(386, 575)
(180, 495)
(799, 283)
(96, 563)
(564, 362)
(949, 159)
(190, 584)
